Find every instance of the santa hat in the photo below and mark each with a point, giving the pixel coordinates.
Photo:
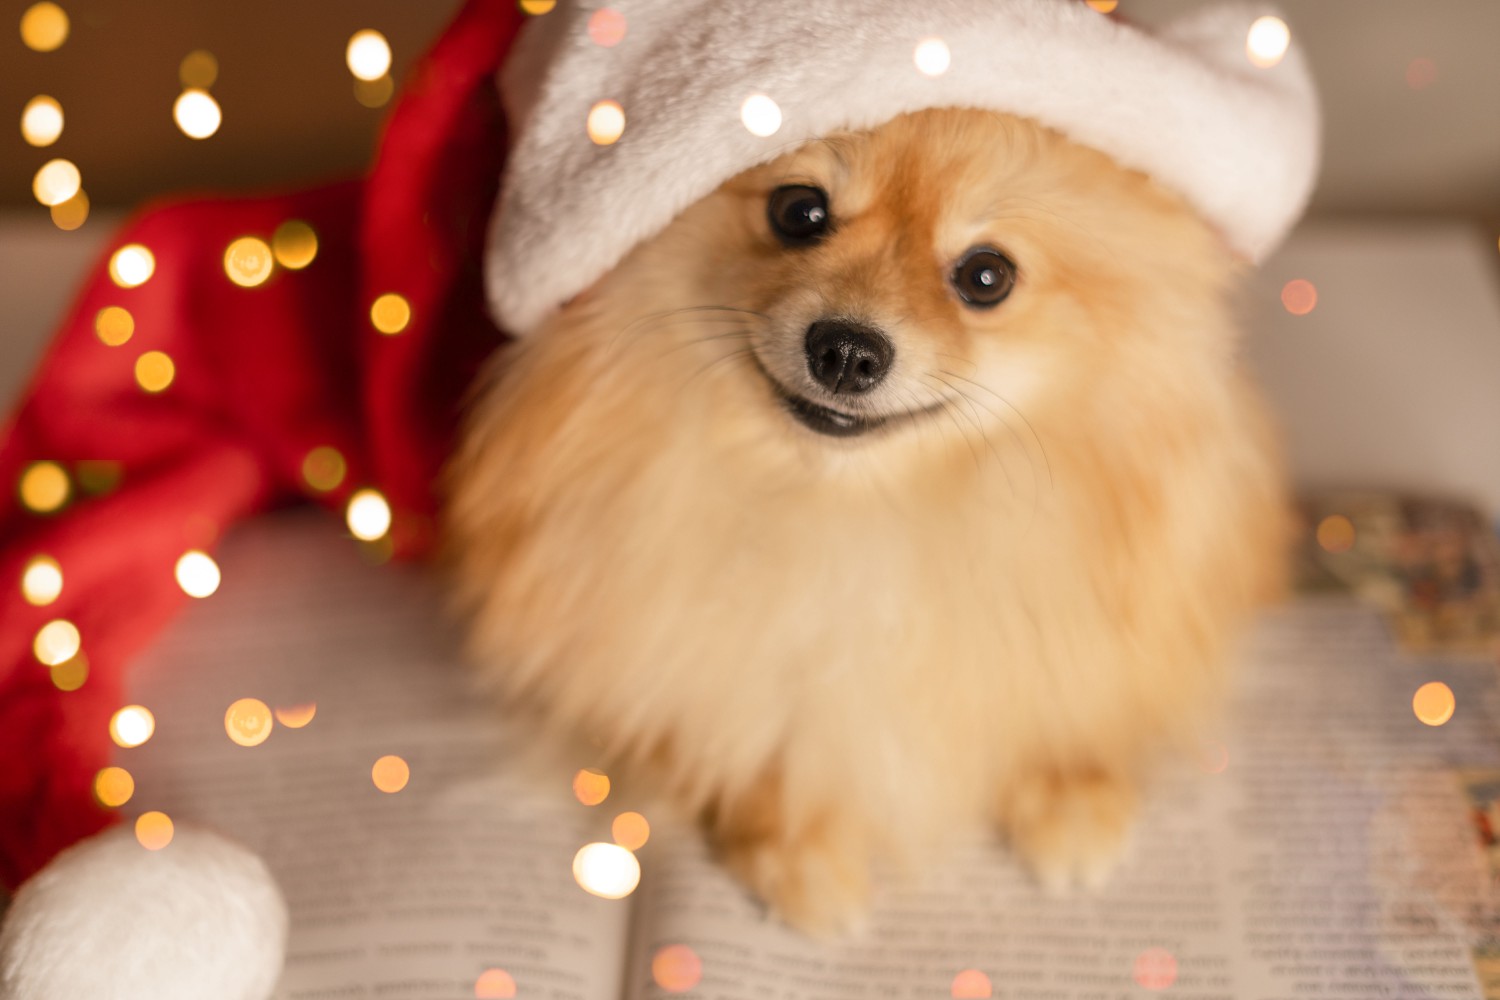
(288, 387)
(706, 89)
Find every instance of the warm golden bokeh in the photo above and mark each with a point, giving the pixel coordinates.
(932, 56)
(44, 487)
(248, 722)
(630, 830)
(294, 244)
(154, 371)
(1336, 534)
(1104, 6)
(1267, 42)
(197, 573)
(42, 120)
(113, 787)
(41, 581)
(390, 774)
(368, 55)
(248, 261)
(676, 968)
(132, 725)
(153, 830)
(44, 27)
(198, 69)
(131, 265)
(70, 674)
(296, 716)
(607, 27)
(761, 115)
(591, 786)
(970, 984)
(374, 93)
(56, 181)
(71, 214)
(606, 870)
(1434, 703)
(606, 123)
(494, 984)
(390, 313)
(114, 325)
(368, 515)
(324, 468)
(197, 114)
(1299, 296)
(536, 8)
(56, 642)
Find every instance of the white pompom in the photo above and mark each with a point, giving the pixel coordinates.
(109, 920)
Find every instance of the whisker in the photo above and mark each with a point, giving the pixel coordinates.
(1041, 446)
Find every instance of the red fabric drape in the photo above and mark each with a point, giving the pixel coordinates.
(263, 376)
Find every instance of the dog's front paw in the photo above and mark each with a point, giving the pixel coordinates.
(815, 881)
(1071, 829)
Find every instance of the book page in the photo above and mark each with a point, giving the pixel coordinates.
(1325, 848)
(465, 872)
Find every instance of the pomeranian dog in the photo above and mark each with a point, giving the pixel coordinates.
(904, 483)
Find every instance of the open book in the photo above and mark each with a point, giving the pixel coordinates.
(1330, 844)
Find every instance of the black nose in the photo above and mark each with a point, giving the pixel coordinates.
(847, 358)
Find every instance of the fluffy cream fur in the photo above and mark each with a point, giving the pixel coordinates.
(996, 609)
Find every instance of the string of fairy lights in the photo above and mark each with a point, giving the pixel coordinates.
(608, 869)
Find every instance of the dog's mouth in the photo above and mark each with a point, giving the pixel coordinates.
(834, 422)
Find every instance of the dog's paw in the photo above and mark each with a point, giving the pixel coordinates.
(1071, 830)
(110, 920)
(813, 882)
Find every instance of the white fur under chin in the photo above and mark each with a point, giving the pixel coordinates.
(109, 920)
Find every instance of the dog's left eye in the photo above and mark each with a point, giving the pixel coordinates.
(984, 277)
(798, 214)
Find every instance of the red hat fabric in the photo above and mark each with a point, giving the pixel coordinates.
(261, 377)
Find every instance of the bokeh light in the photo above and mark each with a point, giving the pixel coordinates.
(44, 27)
(970, 984)
(630, 830)
(1421, 74)
(41, 581)
(761, 115)
(607, 27)
(154, 371)
(55, 182)
(71, 214)
(590, 786)
(44, 487)
(1104, 6)
(676, 968)
(1267, 42)
(198, 69)
(606, 870)
(113, 787)
(494, 984)
(248, 722)
(41, 120)
(324, 468)
(390, 313)
(537, 8)
(114, 325)
(368, 515)
(197, 114)
(374, 93)
(606, 123)
(1335, 534)
(70, 674)
(368, 55)
(1299, 296)
(1155, 969)
(294, 244)
(390, 774)
(932, 56)
(248, 261)
(153, 830)
(197, 573)
(131, 265)
(1434, 703)
(56, 642)
(296, 716)
(132, 725)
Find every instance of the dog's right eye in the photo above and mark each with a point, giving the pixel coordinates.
(798, 214)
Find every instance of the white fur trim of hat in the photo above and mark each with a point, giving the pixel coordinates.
(1184, 104)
